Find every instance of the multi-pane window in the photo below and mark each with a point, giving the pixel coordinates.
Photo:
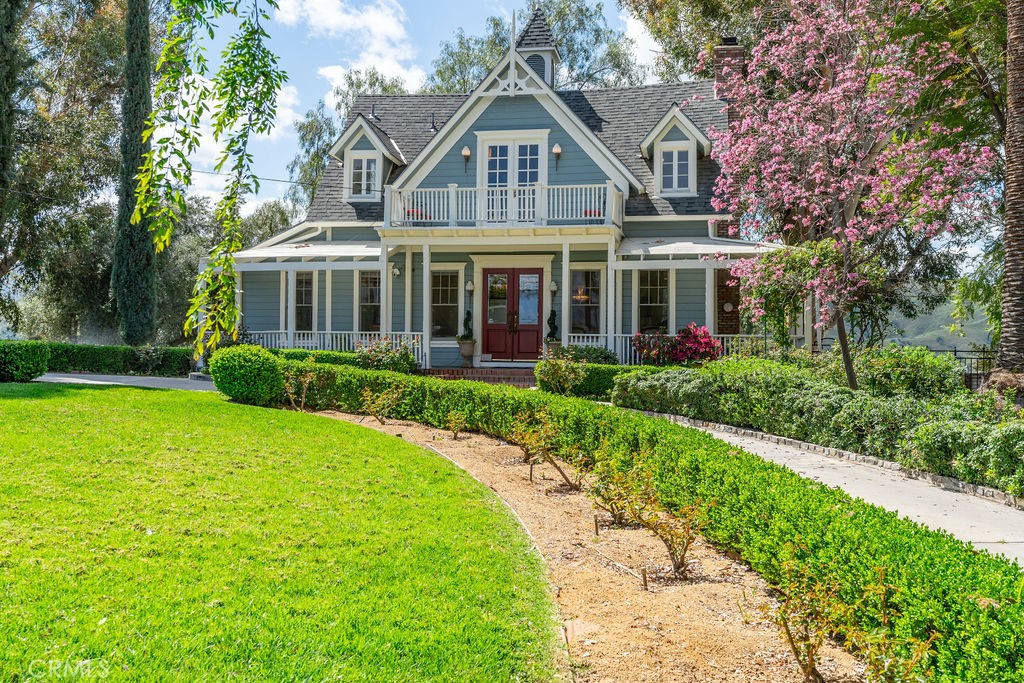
(304, 302)
(444, 303)
(652, 300)
(369, 301)
(585, 301)
(528, 165)
(363, 176)
(675, 171)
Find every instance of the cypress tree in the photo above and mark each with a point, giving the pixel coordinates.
(12, 67)
(133, 279)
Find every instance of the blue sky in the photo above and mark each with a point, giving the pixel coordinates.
(319, 39)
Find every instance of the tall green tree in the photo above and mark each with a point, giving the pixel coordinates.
(133, 279)
(594, 55)
(320, 128)
(1011, 348)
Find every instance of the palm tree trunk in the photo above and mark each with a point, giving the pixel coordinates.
(1011, 349)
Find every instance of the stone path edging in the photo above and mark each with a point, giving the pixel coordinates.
(948, 483)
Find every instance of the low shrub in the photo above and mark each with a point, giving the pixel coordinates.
(756, 509)
(22, 361)
(959, 436)
(588, 354)
(163, 361)
(328, 357)
(690, 344)
(384, 354)
(249, 374)
(597, 380)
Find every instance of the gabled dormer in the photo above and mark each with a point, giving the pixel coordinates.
(368, 156)
(674, 147)
(537, 47)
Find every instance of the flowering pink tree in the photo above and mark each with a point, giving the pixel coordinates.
(831, 138)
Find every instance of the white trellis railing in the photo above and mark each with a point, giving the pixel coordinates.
(336, 341)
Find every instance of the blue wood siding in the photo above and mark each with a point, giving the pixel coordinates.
(675, 134)
(626, 308)
(261, 303)
(516, 113)
(341, 301)
(445, 357)
(321, 299)
(398, 294)
(362, 143)
(690, 288)
(681, 228)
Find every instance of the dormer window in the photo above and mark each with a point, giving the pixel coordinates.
(363, 181)
(676, 175)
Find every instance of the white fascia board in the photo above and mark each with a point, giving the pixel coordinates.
(674, 116)
(361, 125)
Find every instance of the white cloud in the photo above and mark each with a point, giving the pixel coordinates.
(645, 47)
(375, 32)
(288, 114)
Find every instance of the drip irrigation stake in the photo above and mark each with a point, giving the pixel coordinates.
(643, 577)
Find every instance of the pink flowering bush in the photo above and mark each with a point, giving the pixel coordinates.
(690, 344)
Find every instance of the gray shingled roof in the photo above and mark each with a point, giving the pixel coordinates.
(620, 117)
(537, 33)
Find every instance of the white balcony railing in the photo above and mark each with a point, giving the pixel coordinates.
(336, 341)
(543, 205)
(622, 344)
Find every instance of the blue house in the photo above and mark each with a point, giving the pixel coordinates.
(512, 202)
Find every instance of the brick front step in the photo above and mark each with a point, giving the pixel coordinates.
(516, 377)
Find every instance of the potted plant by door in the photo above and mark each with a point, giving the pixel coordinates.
(552, 340)
(467, 345)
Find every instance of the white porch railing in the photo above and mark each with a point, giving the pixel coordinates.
(337, 341)
(622, 344)
(535, 205)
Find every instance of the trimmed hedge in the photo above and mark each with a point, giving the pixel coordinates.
(788, 401)
(599, 379)
(248, 374)
(755, 508)
(329, 357)
(162, 361)
(590, 354)
(22, 361)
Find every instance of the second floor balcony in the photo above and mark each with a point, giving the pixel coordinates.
(531, 206)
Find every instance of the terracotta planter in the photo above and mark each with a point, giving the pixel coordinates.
(466, 350)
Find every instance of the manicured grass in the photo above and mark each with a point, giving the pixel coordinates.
(174, 535)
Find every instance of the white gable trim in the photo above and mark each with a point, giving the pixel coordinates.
(361, 125)
(674, 117)
(526, 82)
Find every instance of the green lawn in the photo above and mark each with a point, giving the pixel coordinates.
(173, 535)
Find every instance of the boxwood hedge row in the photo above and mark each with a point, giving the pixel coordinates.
(963, 435)
(22, 361)
(164, 361)
(598, 381)
(754, 508)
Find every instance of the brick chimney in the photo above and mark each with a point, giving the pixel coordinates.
(729, 56)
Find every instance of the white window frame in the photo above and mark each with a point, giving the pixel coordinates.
(512, 138)
(676, 146)
(375, 192)
(356, 303)
(602, 268)
(449, 267)
(635, 287)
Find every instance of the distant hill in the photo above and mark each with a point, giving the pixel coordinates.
(933, 331)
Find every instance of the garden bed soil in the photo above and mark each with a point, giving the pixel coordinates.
(707, 628)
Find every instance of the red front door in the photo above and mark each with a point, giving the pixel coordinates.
(512, 313)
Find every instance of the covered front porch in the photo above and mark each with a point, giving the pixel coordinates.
(416, 287)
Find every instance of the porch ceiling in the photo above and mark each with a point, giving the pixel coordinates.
(691, 246)
(307, 250)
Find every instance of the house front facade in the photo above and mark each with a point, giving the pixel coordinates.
(582, 216)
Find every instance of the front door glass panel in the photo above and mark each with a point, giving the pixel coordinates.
(497, 299)
(529, 299)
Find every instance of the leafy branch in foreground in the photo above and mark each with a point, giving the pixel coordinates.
(240, 100)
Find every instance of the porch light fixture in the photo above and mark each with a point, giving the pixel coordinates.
(469, 286)
(466, 153)
(557, 151)
(395, 272)
(553, 287)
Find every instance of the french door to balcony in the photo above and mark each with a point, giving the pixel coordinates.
(512, 313)
(513, 169)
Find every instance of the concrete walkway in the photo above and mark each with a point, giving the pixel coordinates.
(129, 381)
(983, 523)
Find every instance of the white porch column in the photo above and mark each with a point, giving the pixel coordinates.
(408, 289)
(385, 289)
(238, 294)
(328, 280)
(282, 291)
(566, 286)
(710, 299)
(426, 306)
(613, 302)
(291, 309)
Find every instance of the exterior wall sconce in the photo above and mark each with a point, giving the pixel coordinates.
(557, 151)
(466, 153)
(469, 286)
(395, 272)
(727, 307)
(553, 287)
